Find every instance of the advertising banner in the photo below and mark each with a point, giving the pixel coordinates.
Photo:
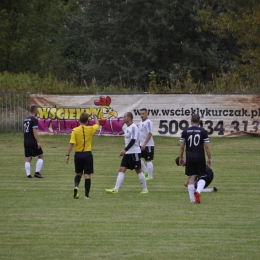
(221, 115)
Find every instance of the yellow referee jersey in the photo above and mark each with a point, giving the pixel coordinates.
(81, 136)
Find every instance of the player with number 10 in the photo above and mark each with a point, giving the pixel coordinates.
(196, 139)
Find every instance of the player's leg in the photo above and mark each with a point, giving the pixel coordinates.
(191, 188)
(87, 185)
(39, 164)
(189, 171)
(88, 171)
(149, 153)
(27, 165)
(121, 174)
(150, 169)
(201, 173)
(144, 168)
(79, 167)
(142, 180)
(119, 179)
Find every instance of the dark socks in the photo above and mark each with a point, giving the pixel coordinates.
(87, 187)
(77, 180)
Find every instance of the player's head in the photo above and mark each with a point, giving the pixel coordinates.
(177, 161)
(128, 117)
(83, 119)
(143, 113)
(34, 110)
(195, 119)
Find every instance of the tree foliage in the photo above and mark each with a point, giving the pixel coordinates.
(239, 20)
(167, 43)
(30, 36)
(123, 41)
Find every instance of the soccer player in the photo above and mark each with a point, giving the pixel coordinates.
(81, 137)
(131, 155)
(32, 145)
(204, 181)
(196, 139)
(146, 143)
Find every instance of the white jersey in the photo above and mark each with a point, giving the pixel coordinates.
(146, 127)
(132, 132)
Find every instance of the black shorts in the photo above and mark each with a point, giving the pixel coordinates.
(32, 151)
(148, 153)
(195, 167)
(131, 161)
(83, 162)
(208, 179)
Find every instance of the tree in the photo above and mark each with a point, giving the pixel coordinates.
(30, 36)
(239, 20)
(123, 41)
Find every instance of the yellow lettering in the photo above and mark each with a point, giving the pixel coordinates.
(43, 112)
(60, 113)
(72, 112)
(52, 112)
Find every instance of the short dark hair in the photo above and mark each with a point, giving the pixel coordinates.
(177, 160)
(143, 109)
(129, 114)
(83, 118)
(33, 109)
(195, 118)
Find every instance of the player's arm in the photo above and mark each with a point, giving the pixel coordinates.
(206, 145)
(181, 160)
(36, 136)
(95, 118)
(131, 143)
(148, 137)
(68, 152)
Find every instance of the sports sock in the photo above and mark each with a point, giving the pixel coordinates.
(150, 169)
(208, 190)
(39, 165)
(142, 180)
(200, 185)
(119, 180)
(28, 168)
(191, 191)
(87, 187)
(144, 168)
(77, 180)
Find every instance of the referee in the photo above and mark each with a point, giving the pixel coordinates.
(81, 137)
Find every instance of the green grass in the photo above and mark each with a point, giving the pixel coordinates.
(39, 219)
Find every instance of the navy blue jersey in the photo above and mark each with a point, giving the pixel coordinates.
(29, 124)
(194, 138)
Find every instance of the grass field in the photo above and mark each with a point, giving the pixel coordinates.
(39, 219)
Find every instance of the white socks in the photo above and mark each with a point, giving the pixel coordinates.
(143, 166)
(39, 165)
(208, 190)
(200, 185)
(150, 169)
(28, 168)
(142, 180)
(119, 180)
(191, 191)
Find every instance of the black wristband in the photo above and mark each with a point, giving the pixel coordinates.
(67, 155)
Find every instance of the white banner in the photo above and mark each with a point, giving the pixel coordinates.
(220, 114)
